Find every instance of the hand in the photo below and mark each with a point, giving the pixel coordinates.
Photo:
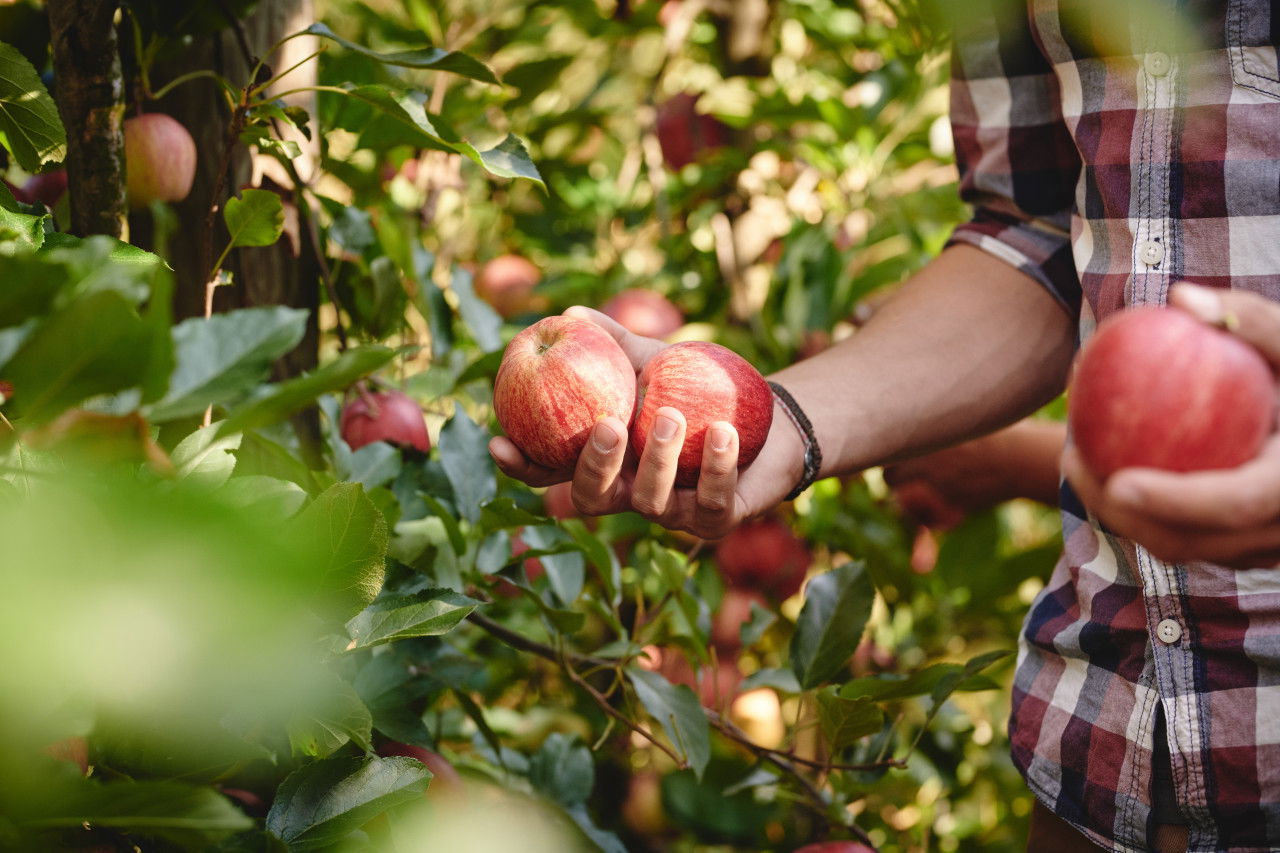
(1230, 517)
(608, 479)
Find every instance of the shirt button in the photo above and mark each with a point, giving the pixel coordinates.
(1169, 631)
(1157, 63)
(1151, 253)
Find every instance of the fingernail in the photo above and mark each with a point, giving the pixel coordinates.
(1201, 301)
(720, 438)
(604, 439)
(664, 428)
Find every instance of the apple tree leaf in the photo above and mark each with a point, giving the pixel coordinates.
(188, 816)
(836, 608)
(254, 219)
(431, 58)
(681, 715)
(327, 725)
(29, 124)
(429, 614)
(205, 457)
(464, 454)
(352, 532)
(845, 721)
(325, 801)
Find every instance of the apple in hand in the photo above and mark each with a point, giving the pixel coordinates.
(1155, 387)
(384, 416)
(706, 383)
(764, 555)
(160, 159)
(558, 378)
(644, 312)
(507, 284)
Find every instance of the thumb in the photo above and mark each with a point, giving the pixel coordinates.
(1249, 316)
(639, 349)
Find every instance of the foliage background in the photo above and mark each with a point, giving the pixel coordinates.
(835, 180)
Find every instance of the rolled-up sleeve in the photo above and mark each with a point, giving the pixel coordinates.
(1018, 164)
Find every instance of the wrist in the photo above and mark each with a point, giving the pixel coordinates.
(807, 463)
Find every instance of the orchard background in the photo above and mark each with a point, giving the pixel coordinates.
(229, 629)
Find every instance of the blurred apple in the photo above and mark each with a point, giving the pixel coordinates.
(759, 714)
(73, 749)
(47, 188)
(644, 312)
(685, 134)
(642, 810)
(507, 284)
(160, 159)
(734, 612)
(715, 686)
(764, 555)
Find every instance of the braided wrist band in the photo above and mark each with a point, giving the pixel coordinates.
(812, 453)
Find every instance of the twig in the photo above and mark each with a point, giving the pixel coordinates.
(607, 707)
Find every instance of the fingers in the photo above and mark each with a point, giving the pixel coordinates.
(516, 465)
(651, 491)
(1252, 317)
(638, 349)
(597, 480)
(715, 501)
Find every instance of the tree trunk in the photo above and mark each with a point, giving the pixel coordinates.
(90, 96)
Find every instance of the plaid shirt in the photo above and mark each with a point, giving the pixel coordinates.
(1107, 169)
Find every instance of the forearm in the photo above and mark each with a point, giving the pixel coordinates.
(967, 345)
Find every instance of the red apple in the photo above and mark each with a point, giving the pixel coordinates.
(445, 778)
(507, 283)
(73, 749)
(644, 312)
(716, 687)
(706, 383)
(684, 133)
(160, 159)
(734, 612)
(1154, 387)
(557, 379)
(47, 188)
(765, 555)
(384, 416)
(836, 847)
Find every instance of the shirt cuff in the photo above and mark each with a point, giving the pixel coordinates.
(1037, 249)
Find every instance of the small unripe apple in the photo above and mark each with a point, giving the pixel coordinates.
(558, 378)
(390, 416)
(507, 284)
(764, 555)
(1155, 387)
(706, 383)
(644, 312)
(160, 159)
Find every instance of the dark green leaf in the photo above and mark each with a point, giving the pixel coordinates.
(456, 540)
(288, 397)
(464, 453)
(183, 814)
(219, 357)
(562, 769)
(510, 159)
(353, 534)
(846, 721)
(373, 465)
(254, 219)
(566, 571)
(324, 802)
(501, 513)
(836, 608)
(761, 618)
(485, 323)
(680, 713)
(327, 725)
(432, 58)
(428, 614)
(394, 696)
(29, 124)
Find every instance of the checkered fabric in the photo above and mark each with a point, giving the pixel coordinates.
(1111, 148)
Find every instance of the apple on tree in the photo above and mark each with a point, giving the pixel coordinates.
(558, 378)
(1155, 387)
(390, 416)
(706, 383)
(507, 283)
(644, 312)
(160, 159)
(445, 779)
(684, 134)
(764, 555)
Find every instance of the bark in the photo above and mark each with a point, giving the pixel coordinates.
(90, 96)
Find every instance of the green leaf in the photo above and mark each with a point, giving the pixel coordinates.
(600, 555)
(464, 453)
(269, 497)
(96, 345)
(846, 721)
(19, 230)
(373, 465)
(428, 614)
(947, 677)
(29, 124)
(680, 713)
(754, 628)
(185, 815)
(324, 802)
(284, 399)
(510, 159)
(485, 323)
(225, 355)
(431, 58)
(394, 695)
(457, 540)
(562, 769)
(566, 569)
(205, 457)
(501, 513)
(254, 219)
(331, 722)
(353, 533)
(836, 608)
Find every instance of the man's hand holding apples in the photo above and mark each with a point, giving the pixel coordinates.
(607, 478)
(1230, 515)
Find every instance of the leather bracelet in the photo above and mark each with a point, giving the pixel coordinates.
(812, 453)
